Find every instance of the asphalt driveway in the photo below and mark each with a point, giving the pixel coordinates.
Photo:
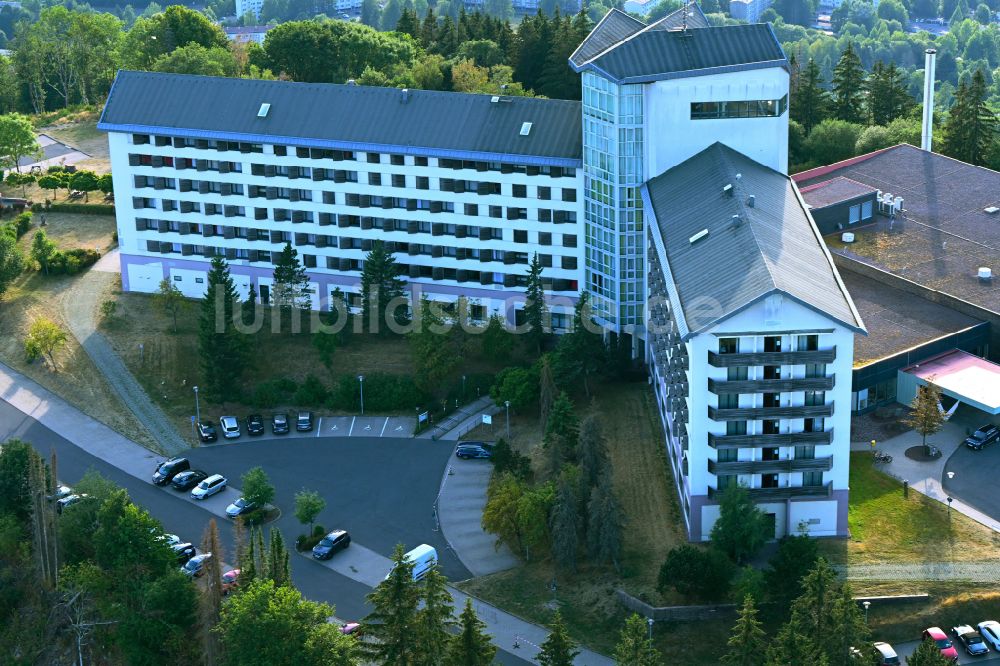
(974, 480)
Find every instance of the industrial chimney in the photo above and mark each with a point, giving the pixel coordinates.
(927, 131)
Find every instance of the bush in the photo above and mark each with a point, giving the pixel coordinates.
(698, 573)
(22, 223)
(83, 209)
(71, 262)
(254, 516)
(274, 392)
(312, 392)
(306, 542)
(508, 460)
(832, 141)
(519, 385)
(383, 392)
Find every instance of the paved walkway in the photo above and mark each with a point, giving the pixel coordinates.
(976, 572)
(462, 420)
(357, 563)
(80, 307)
(925, 477)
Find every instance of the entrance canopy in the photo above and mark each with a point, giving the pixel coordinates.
(960, 375)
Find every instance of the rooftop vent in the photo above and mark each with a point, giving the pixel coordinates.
(991, 210)
(525, 129)
(728, 189)
(698, 236)
(736, 220)
(738, 176)
(352, 82)
(985, 274)
(406, 95)
(847, 237)
(264, 108)
(751, 201)
(495, 99)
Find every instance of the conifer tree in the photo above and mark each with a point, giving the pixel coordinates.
(748, 640)
(380, 285)
(970, 133)
(634, 647)
(810, 101)
(224, 351)
(546, 390)
(392, 622)
(279, 569)
(249, 571)
(605, 527)
(250, 306)
(211, 592)
(565, 525)
(408, 23)
(928, 654)
(434, 620)
(291, 284)
(592, 452)
(472, 646)
(558, 649)
(581, 352)
(848, 628)
(888, 98)
(561, 433)
(848, 87)
(536, 312)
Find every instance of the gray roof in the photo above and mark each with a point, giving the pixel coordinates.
(658, 54)
(347, 117)
(834, 191)
(775, 248)
(617, 26)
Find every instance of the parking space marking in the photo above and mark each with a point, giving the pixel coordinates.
(319, 426)
(368, 427)
(352, 426)
(383, 426)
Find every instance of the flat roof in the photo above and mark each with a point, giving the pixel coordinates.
(944, 234)
(962, 376)
(834, 191)
(897, 320)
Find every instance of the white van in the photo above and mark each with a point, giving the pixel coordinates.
(423, 558)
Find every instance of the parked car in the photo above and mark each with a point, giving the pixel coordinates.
(230, 580)
(467, 450)
(351, 629)
(69, 500)
(304, 422)
(279, 424)
(239, 507)
(206, 431)
(970, 639)
(423, 558)
(208, 487)
(230, 427)
(885, 655)
(195, 567)
(184, 552)
(255, 425)
(169, 539)
(990, 631)
(60, 492)
(168, 469)
(188, 479)
(942, 641)
(331, 543)
(984, 435)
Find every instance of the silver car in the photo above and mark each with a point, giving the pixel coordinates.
(230, 427)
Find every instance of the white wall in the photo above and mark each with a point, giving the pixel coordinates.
(672, 136)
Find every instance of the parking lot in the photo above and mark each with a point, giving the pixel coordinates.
(327, 426)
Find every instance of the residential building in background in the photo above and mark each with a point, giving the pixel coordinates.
(748, 10)
(246, 34)
(249, 6)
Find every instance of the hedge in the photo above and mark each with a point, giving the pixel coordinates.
(71, 262)
(82, 208)
(383, 393)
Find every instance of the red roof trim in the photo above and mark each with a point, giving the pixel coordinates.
(830, 168)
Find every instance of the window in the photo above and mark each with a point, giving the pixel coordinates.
(772, 400)
(854, 214)
(281, 151)
(729, 400)
(770, 427)
(397, 160)
(726, 481)
(814, 370)
(568, 194)
(728, 455)
(736, 427)
(812, 479)
(374, 179)
(420, 161)
(768, 480)
(496, 211)
(765, 108)
(520, 191)
(728, 345)
(769, 453)
(545, 193)
(423, 183)
(520, 236)
(569, 240)
(569, 263)
(814, 425)
(772, 372)
(374, 158)
(772, 343)
(199, 280)
(808, 342)
(815, 398)
(737, 373)
(805, 452)
(866, 210)
(398, 180)
(177, 278)
(472, 210)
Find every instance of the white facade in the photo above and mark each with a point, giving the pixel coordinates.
(252, 6)
(748, 10)
(180, 203)
(247, 34)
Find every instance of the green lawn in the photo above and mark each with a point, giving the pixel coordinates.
(886, 527)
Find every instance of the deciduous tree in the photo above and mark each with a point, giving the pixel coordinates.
(308, 505)
(925, 416)
(17, 140)
(170, 300)
(257, 488)
(741, 528)
(84, 181)
(697, 573)
(42, 250)
(11, 261)
(44, 339)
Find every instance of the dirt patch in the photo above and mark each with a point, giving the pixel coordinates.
(919, 453)
(880, 425)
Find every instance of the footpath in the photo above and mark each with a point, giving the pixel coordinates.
(359, 563)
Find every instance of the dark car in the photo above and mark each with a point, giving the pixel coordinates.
(468, 450)
(984, 435)
(330, 544)
(167, 470)
(184, 552)
(971, 640)
(195, 567)
(60, 492)
(255, 424)
(279, 424)
(188, 479)
(304, 422)
(69, 501)
(206, 431)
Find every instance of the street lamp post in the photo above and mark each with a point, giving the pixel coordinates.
(649, 622)
(361, 383)
(506, 404)
(197, 406)
(950, 500)
(463, 388)
(866, 604)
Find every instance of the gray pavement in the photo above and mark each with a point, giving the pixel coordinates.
(460, 510)
(904, 650)
(382, 488)
(80, 306)
(462, 420)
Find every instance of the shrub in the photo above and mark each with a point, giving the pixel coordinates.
(254, 516)
(383, 392)
(22, 223)
(519, 385)
(71, 262)
(507, 459)
(273, 393)
(83, 209)
(699, 573)
(312, 392)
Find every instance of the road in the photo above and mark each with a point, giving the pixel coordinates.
(906, 649)
(399, 506)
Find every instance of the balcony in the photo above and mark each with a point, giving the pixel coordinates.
(824, 464)
(771, 385)
(772, 358)
(758, 413)
(781, 494)
(758, 441)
